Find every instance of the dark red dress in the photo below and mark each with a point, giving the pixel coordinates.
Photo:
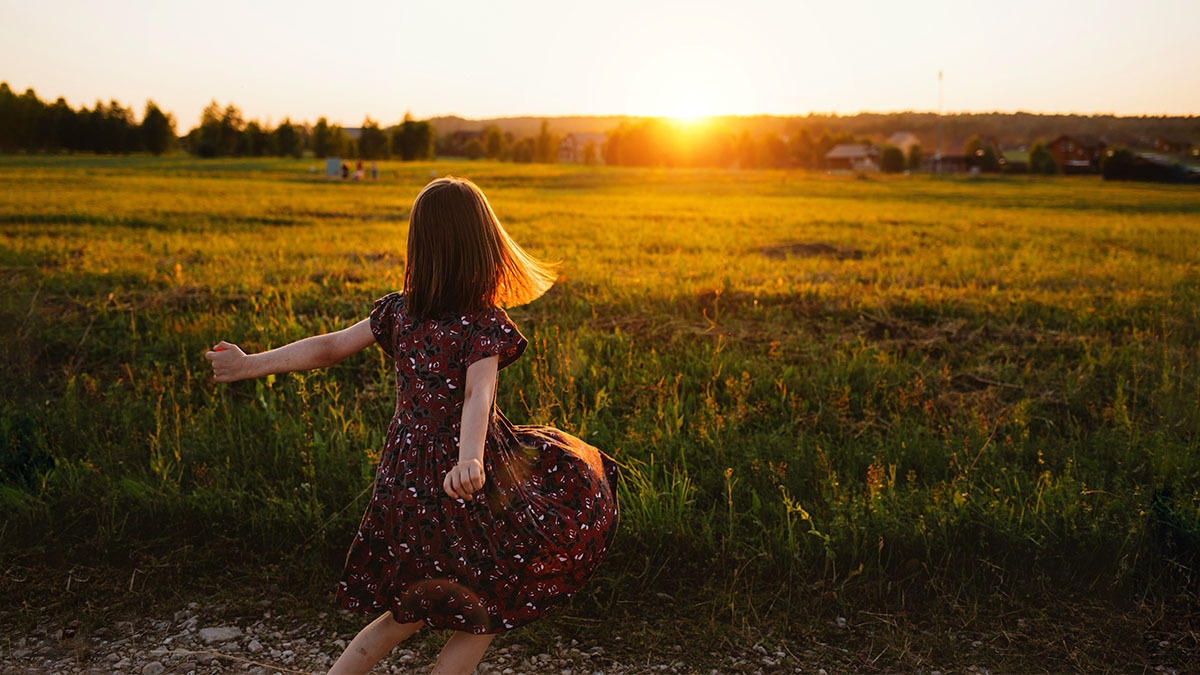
(527, 541)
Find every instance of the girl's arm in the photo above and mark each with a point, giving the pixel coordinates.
(468, 476)
(230, 363)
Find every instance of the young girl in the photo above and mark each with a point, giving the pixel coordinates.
(475, 524)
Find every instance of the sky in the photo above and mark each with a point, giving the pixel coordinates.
(480, 59)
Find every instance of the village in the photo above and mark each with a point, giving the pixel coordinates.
(1066, 153)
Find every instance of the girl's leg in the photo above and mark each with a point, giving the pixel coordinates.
(462, 653)
(371, 644)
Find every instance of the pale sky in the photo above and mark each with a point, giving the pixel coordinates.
(645, 57)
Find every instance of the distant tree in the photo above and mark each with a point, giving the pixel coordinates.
(803, 148)
(203, 141)
(646, 142)
(1117, 163)
(1041, 160)
(373, 141)
(8, 114)
(990, 159)
(973, 150)
(321, 139)
(495, 143)
(523, 150)
(413, 140)
(157, 130)
(891, 159)
(120, 129)
(28, 110)
(61, 122)
(339, 141)
(231, 126)
(286, 140)
(747, 151)
(255, 141)
(474, 149)
(914, 158)
(589, 153)
(824, 145)
(545, 145)
(774, 150)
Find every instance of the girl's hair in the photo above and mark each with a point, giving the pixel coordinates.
(461, 259)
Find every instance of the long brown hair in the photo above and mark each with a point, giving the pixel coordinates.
(461, 259)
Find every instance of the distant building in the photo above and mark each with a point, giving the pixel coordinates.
(570, 149)
(904, 140)
(1077, 153)
(952, 159)
(852, 157)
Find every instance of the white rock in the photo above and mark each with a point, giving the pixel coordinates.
(153, 668)
(255, 646)
(219, 634)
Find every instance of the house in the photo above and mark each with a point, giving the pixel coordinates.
(952, 159)
(904, 140)
(852, 157)
(1077, 153)
(570, 149)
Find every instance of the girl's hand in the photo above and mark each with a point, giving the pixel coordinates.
(228, 362)
(465, 478)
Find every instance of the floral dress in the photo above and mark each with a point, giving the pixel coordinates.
(528, 540)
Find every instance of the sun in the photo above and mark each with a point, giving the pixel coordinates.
(690, 110)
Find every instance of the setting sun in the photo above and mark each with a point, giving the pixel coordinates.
(691, 110)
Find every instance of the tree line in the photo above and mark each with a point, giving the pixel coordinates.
(28, 124)
(31, 125)
(493, 144)
(223, 132)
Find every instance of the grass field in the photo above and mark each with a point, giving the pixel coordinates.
(900, 395)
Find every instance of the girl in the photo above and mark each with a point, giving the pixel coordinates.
(475, 524)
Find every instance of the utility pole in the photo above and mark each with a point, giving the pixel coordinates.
(939, 150)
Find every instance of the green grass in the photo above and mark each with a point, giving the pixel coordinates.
(979, 384)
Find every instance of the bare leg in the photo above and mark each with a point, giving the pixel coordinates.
(371, 644)
(462, 653)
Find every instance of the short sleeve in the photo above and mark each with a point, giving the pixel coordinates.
(492, 333)
(384, 317)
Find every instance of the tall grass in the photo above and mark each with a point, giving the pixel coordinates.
(971, 380)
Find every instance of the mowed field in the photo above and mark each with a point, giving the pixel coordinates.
(919, 403)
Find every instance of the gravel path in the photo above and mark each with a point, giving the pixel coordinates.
(193, 641)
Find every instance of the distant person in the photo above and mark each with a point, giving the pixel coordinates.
(374, 172)
(345, 170)
(475, 524)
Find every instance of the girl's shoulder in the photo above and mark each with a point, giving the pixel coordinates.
(486, 317)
